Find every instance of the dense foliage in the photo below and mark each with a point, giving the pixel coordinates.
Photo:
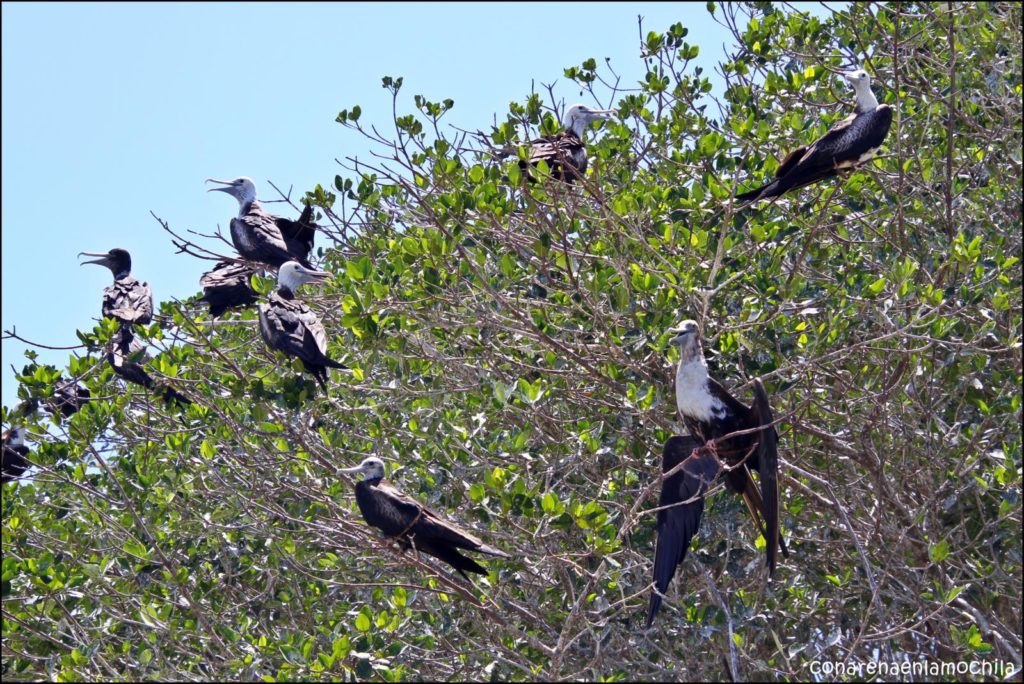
(508, 356)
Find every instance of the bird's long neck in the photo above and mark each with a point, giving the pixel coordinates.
(122, 275)
(693, 400)
(866, 100)
(247, 205)
(577, 126)
(692, 371)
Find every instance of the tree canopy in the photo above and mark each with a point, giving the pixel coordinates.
(506, 342)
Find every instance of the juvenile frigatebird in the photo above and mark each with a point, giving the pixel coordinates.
(710, 414)
(564, 152)
(288, 325)
(412, 523)
(846, 145)
(260, 236)
(69, 397)
(130, 302)
(15, 451)
(228, 285)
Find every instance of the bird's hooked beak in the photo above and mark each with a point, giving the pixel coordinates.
(104, 259)
(592, 115)
(679, 336)
(317, 276)
(601, 113)
(352, 471)
(228, 189)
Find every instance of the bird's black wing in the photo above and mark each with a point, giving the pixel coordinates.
(69, 397)
(299, 234)
(808, 164)
(677, 525)
(399, 514)
(14, 462)
(227, 285)
(290, 326)
(265, 240)
(768, 470)
(393, 511)
(448, 532)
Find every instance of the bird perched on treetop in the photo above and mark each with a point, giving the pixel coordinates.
(412, 523)
(847, 145)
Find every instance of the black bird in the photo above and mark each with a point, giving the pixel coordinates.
(847, 145)
(260, 236)
(228, 285)
(709, 412)
(564, 152)
(15, 451)
(69, 397)
(414, 524)
(130, 302)
(288, 325)
(678, 524)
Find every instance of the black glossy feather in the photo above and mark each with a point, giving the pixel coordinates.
(14, 462)
(288, 325)
(227, 286)
(678, 524)
(416, 526)
(755, 451)
(258, 236)
(848, 144)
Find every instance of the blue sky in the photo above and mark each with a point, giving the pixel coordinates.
(113, 110)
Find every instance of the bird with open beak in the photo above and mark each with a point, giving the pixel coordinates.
(263, 237)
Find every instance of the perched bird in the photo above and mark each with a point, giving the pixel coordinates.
(681, 504)
(69, 397)
(710, 413)
(228, 285)
(412, 523)
(564, 152)
(288, 325)
(846, 145)
(15, 451)
(130, 302)
(263, 237)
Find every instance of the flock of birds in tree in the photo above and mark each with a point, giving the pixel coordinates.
(724, 434)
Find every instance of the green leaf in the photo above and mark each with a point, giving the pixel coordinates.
(938, 552)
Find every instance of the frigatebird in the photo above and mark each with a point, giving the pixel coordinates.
(563, 152)
(228, 285)
(69, 397)
(412, 523)
(127, 300)
(260, 236)
(681, 504)
(846, 145)
(130, 302)
(14, 461)
(711, 414)
(288, 325)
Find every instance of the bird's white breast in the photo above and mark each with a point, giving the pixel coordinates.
(693, 399)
